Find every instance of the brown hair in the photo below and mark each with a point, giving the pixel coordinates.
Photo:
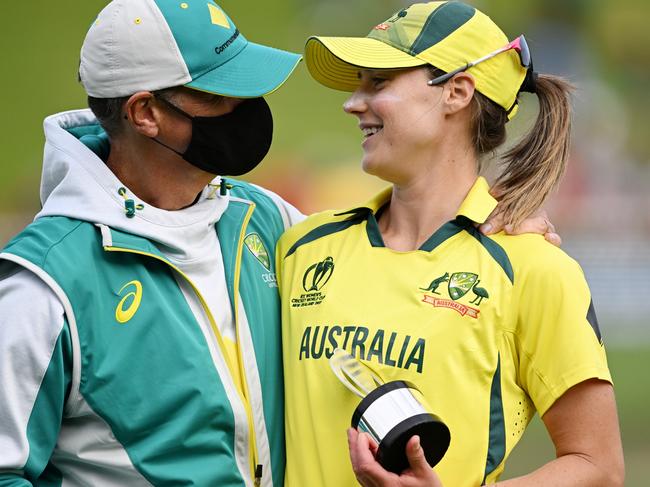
(533, 168)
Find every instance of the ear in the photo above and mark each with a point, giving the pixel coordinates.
(459, 92)
(143, 114)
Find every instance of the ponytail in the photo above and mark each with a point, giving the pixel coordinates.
(534, 167)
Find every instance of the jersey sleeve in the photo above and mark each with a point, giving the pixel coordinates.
(557, 330)
(35, 377)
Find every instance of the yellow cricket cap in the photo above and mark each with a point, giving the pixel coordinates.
(446, 35)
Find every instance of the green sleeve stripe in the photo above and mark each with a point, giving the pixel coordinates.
(497, 439)
(44, 422)
(329, 229)
(593, 321)
(493, 248)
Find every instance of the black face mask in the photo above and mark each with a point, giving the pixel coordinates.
(231, 144)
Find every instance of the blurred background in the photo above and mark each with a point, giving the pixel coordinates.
(602, 210)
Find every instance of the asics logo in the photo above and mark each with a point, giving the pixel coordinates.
(130, 302)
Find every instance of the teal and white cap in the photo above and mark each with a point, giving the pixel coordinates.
(136, 45)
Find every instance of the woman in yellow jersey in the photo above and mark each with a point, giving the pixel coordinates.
(490, 329)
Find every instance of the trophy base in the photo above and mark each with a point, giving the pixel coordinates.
(434, 440)
(392, 415)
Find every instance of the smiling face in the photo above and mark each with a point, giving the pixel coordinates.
(401, 119)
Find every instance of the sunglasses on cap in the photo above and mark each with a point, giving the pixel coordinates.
(519, 45)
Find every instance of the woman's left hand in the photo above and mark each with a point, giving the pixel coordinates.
(370, 473)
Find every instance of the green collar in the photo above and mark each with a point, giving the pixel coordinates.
(476, 207)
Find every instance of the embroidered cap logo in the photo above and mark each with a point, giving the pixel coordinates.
(133, 298)
(217, 17)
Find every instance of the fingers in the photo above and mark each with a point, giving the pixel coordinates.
(539, 224)
(494, 224)
(374, 447)
(352, 447)
(534, 224)
(364, 450)
(416, 458)
(553, 238)
(363, 461)
(370, 473)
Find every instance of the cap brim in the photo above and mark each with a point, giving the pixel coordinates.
(255, 71)
(335, 61)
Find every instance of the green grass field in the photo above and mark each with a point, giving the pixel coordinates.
(631, 372)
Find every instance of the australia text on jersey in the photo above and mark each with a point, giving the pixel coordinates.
(394, 350)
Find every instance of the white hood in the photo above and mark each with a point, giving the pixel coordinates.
(77, 184)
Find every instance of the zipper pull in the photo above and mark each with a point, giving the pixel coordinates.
(224, 187)
(258, 475)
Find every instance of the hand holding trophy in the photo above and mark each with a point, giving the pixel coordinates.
(391, 413)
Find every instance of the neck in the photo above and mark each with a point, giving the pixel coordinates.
(157, 175)
(422, 204)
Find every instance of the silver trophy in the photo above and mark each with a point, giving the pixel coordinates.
(391, 413)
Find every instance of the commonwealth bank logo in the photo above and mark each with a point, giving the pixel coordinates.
(130, 302)
(217, 17)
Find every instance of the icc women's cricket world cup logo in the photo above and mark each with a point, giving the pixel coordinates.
(317, 275)
(313, 281)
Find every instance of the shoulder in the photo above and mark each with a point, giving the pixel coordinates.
(48, 230)
(533, 259)
(244, 189)
(266, 200)
(312, 228)
(40, 237)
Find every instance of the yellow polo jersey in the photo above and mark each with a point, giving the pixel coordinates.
(490, 329)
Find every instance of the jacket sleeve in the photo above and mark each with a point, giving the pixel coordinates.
(35, 376)
(290, 214)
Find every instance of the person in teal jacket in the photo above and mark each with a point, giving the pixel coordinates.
(139, 318)
(139, 313)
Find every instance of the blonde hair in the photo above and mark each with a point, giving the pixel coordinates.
(533, 168)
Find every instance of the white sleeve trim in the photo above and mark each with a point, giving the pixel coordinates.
(74, 398)
(31, 321)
